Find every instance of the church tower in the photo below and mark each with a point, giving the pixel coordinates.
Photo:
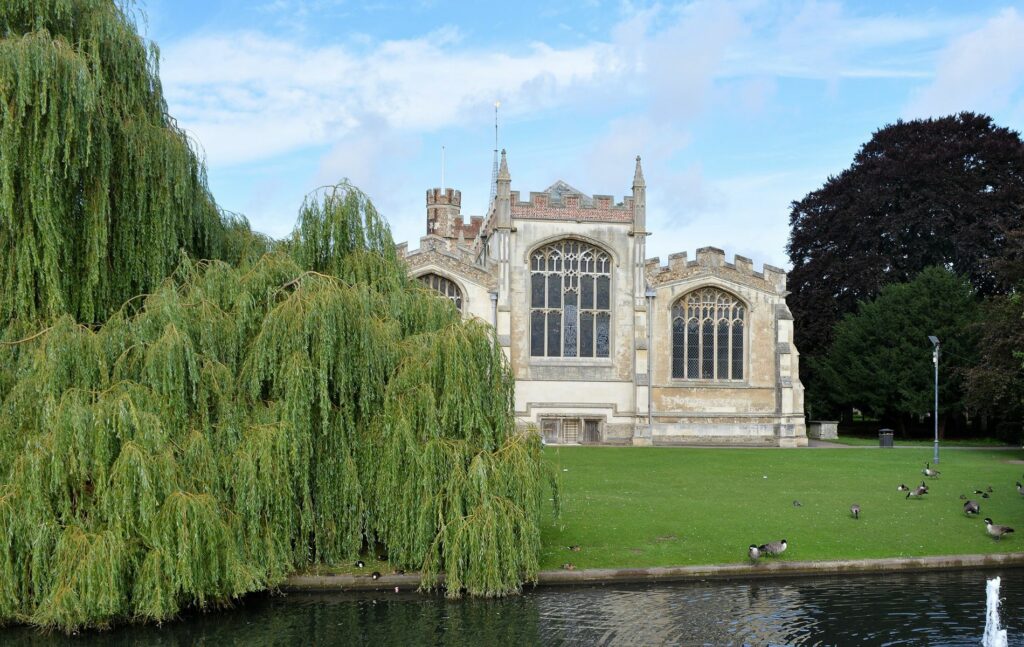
(443, 212)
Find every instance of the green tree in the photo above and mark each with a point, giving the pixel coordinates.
(99, 189)
(881, 359)
(994, 385)
(232, 420)
(246, 422)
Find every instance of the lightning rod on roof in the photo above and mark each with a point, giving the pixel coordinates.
(494, 166)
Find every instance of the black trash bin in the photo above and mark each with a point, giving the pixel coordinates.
(885, 437)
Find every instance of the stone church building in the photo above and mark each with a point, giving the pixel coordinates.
(610, 347)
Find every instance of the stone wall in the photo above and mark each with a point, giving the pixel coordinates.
(823, 429)
(548, 385)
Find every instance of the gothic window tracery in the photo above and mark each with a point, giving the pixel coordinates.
(707, 336)
(445, 286)
(570, 300)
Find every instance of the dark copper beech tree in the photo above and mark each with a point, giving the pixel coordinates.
(920, 193)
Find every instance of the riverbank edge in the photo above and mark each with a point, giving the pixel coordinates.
(599, 576)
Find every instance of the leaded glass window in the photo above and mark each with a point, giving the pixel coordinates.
(707, 336)
(570, 300)
(445, 286)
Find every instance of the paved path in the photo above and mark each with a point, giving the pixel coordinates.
(999, 448)
(811, 442)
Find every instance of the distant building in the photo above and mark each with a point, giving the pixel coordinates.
(563, 278)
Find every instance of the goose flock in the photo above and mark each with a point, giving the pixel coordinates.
(971, 509)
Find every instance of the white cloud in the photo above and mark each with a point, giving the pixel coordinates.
(829, 41)
(377, 160)
(249, 96)
(982, 70)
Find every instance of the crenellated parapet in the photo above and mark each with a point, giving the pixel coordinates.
(444, 217)
(444, 254)
(710, 261)
(437, 197)
(562, 202)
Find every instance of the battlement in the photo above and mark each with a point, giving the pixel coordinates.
(438, 196)
(470, 231)
(438, 244)
(444, 219)
(711, 259)
(562, 202)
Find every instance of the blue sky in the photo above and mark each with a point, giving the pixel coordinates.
(737, 108)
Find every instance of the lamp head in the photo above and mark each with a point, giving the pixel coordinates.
(934, 340)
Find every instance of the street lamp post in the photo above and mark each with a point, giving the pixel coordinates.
(935, 360)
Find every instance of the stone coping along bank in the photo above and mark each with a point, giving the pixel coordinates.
(764, 568)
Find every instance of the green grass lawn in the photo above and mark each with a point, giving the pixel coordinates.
(638, 507)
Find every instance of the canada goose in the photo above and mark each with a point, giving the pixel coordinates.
(855, 511)
(983, 494)
(929, 472)
(989, 489)
(753, 552)
(574, 548)
(971, 507)
(796, 503)
(360, 564)
(1020, 489)
(375, 575)
(773, 547)
(963, 497)
(997, 531)
(920, 490)
(903, 488)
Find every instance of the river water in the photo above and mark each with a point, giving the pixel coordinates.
(941, 608)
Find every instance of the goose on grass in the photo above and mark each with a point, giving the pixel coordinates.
(774, 548)
(996, 531)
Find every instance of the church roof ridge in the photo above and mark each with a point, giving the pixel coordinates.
(561, 188)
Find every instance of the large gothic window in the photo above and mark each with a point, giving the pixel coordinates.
(570, 300)
(707, 336)
(445, 286)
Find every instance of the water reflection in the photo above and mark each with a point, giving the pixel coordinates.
(945, 608)
(942, 609)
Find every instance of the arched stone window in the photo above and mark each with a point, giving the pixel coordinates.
(570, 300)
(707, 336)
(445, 286)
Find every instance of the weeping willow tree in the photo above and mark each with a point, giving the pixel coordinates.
(244, 421)
(99, 189)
